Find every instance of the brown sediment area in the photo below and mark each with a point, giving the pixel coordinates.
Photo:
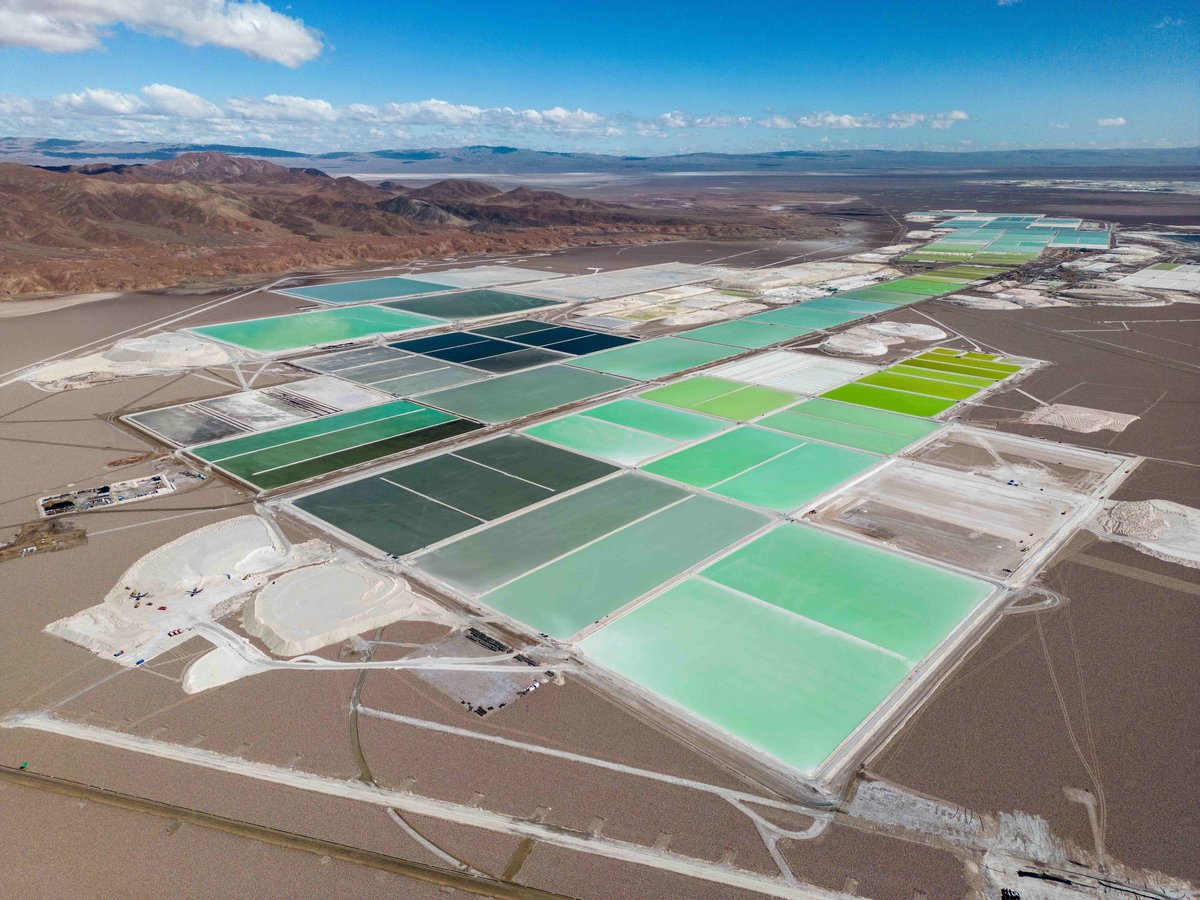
(551, 868)
(574, 796)
(1154, 378)
(1094, 694)
(993, 739)
(128, 853)
(863, 864)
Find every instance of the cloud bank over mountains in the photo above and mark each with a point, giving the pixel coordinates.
(167, 112)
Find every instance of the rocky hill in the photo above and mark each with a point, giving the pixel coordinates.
(116, 226)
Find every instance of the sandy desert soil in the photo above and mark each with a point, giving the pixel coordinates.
(1002, 734)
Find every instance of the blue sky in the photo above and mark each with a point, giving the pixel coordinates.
(628, 77)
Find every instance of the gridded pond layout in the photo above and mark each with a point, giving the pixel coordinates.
(258, 410)
(512, 346)
(765, 468)
(422, 503)
(859, 427)
(627, 431)
(791, 642)
(522, 394)
(929, 383)
(477, 304)
(560, 567)
(718, 397)
(974, 523)
(559, 338)
(1005, 239)
(277, 334)
(622, 282)
(802, 317)
(387, 369)
(746, 334)
(657, 358)
(801, 373)
(365, 290)
(283, 456)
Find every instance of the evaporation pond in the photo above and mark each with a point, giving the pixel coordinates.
(627, 431)
(570, 593)
(470, 304)
(656, 358)
(278, 333)
(764, 468)
(790, 642)
(360, 291)
(411, 507)
(523, 393)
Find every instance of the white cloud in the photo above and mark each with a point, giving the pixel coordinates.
(834, 120)
(648, 130)
(431, 112)
(163, 112)
(167, 100)
(679, 119)
(777, 122)
(252, 27)
(946, 119)
(1007, 2)
(100, 102)
(721, 121)
(1169, 22)
(281, 108)
(562, 119)
(15, 106)
(461, 115)
(1059, 125)
(843, 121)
(1115, 120)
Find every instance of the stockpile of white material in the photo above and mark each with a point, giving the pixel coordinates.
(198, 578)
(306, 609)
(884, 254)
(973, 302)
(1159, 528)
(855, 342)
(905, 331)
(1130, 254)
(1078, 418)
(800, 274)
(785, 296)
(874, 338)
(153, 355)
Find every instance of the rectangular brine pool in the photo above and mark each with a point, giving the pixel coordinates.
(272, 459)
(277, 334)
(789, 643)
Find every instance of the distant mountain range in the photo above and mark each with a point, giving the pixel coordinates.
(208, 216)
(483, 160)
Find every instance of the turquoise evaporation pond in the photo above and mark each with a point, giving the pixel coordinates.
(656, 358)
(521, 394)
(762, 467)
(298, 330)
(369, 289)
(790, 642)
(627, 431)
(566, 564)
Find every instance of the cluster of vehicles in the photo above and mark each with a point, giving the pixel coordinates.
(137, 597)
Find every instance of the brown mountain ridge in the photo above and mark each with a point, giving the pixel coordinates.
(210, 216)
